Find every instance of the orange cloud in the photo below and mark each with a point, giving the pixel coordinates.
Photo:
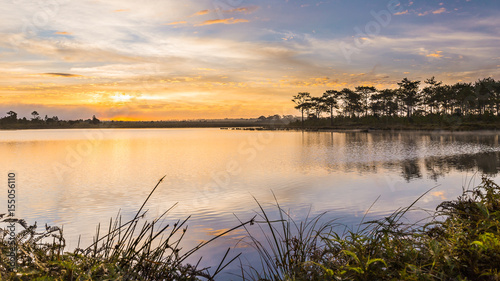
(437, 54)
(62, 33)
(439, 11)
(223, 21)
(436, 12)
(121, 10)
(177, 22)
(401, 13)
(201, 13)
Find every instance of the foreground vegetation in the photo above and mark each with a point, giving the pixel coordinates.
(127, 251)
(460, 241)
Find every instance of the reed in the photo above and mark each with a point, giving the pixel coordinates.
(133, 250)
(289, 248)
(460, 240)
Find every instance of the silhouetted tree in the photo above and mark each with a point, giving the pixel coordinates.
(95, 120)
(351, 101)
(484, 90)
(36, 116)
(429, 94)
(12, 117)
(409, 95)
(318, 106)
(302, 101)
(479, 98)
(12, 114)
(385, 102)
(330, 101)
(462, 97)
(365, 93)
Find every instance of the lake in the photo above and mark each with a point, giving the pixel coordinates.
(79, 178)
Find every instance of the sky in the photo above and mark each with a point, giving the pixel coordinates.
(208, 59)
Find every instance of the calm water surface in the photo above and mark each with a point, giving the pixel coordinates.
(78, 178)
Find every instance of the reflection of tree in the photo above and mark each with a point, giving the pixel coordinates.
(410, 169)
(488, 163)
(367, 167)
(371, 153)
(485, 163)
(385, 137)
(436, 167)
(356, 137)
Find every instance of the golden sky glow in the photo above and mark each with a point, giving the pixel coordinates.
(214, 59)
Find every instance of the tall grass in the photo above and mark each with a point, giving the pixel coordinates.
(289, 248)
(459, 241)
(127, 251)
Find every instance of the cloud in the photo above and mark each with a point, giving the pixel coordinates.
(67, 50)
(143, 52)
(435, 12)
(246, 10)
(222, 21)
(201, 13)
(435, 55)
(120, 71)
(439, 11)
(55, 74)
(121, 10)
(177, 22)
(401, 13)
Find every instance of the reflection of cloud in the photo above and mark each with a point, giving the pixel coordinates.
(217, 232)
(222, 21)
(439, 194)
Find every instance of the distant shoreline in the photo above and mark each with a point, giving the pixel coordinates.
(132, 125)
(252, 125)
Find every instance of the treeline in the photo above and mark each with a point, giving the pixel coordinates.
(276, 119)
(12, 120)
(411, 99)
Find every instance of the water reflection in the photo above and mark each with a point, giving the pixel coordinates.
(484, 163)
(342, 173)
(414, 154)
